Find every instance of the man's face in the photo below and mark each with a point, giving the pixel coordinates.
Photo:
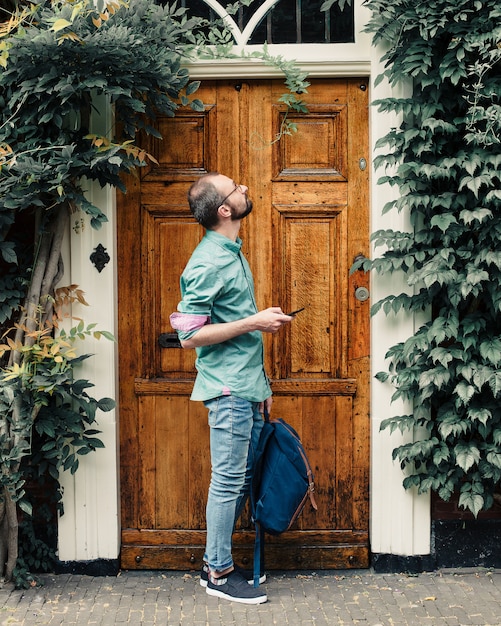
(235, 197)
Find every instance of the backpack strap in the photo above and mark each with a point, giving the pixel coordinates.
(311, 484)
(259, 540)
(258, 554)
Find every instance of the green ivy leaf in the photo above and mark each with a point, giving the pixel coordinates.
(467, 454)
(472, 502)
(441, 355)
(192, 87)
(197, 105)
(494, 458)
(465, 392)
(482, 376)
(106, 404)
(402, 422)
(453, 425)
(8, 252)
(437, 377)
(496, 436)
(441, 454)
(25, 506)
(495, 384)
(479, 215)
(483, 415)
(443, 221)
(475, 183)
(490, 350)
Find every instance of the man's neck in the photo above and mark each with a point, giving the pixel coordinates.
(228, 229)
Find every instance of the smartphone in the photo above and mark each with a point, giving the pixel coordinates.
(295, 312)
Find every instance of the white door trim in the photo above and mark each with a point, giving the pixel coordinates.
(255, 68)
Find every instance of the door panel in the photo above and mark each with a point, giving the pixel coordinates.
(310, 220)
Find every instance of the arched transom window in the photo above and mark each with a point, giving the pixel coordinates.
(281, 21)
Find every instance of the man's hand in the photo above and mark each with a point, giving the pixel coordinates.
(266, 405)
(270, 320)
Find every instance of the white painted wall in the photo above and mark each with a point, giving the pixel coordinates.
(400, 520)
(90, 527)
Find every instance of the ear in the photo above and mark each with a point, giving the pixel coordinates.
(224, 212)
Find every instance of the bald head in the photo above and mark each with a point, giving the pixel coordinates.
(204, 199)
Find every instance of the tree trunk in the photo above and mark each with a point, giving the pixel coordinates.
(54, 268)
(4, 534)
(38, 308)
(45, 271)
(9, 531)
(12, 537)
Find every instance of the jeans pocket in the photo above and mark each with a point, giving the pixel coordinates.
(212, 405)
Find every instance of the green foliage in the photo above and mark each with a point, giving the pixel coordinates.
(37, 545)
(445, 160)
(11, 295)
(42, 393)
(56, 59)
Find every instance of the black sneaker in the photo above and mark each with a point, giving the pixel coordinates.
(235, 587)
(247, 574)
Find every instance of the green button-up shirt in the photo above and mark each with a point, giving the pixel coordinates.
(217, 287)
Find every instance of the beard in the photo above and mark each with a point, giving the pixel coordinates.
(235, 215)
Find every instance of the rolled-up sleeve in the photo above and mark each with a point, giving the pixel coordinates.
(188, 322)
(200, 286)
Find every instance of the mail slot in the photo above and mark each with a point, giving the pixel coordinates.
(169, 340)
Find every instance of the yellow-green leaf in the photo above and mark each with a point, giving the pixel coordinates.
(60, 24)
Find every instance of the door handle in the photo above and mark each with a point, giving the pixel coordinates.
(361, 294)
(169, 340)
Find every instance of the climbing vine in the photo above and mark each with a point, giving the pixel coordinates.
(445, 160)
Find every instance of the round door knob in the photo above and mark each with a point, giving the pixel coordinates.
(362, 294)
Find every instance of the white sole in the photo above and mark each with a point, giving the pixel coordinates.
(221, 594)
(262, 580)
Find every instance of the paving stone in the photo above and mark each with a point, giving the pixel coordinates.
(460, 597)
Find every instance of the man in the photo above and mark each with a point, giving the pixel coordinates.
(218, 317)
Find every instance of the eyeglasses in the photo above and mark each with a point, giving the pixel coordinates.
(239, 187)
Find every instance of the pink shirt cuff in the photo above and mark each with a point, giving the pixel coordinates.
(188, 321)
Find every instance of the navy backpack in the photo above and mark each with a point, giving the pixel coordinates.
(281, 484)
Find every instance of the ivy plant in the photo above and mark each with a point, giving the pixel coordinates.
(445, 160)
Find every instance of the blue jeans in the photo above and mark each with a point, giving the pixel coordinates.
(235, 426)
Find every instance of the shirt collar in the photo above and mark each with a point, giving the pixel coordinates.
(224, 242)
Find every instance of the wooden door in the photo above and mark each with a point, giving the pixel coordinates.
(310, 221)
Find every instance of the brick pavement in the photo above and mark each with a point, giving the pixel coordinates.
(443, 598)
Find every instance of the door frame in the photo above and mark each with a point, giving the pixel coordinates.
(400, 521)
(131, 538)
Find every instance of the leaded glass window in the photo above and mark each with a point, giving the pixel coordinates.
(283, 21)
